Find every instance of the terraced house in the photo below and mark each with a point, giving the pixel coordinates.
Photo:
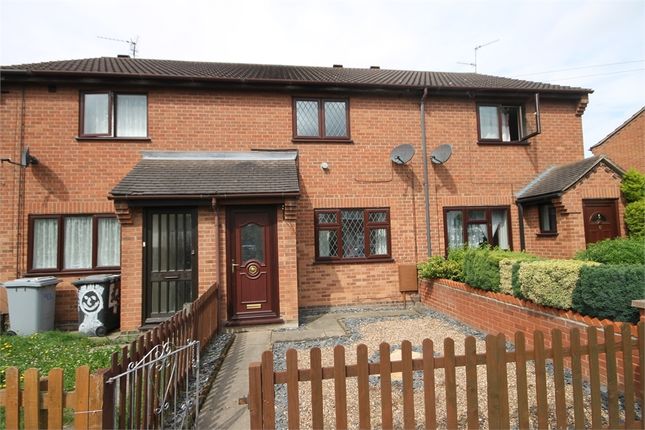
(289, 186)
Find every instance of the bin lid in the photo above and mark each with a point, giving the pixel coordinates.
(41, 281)
(97, 279)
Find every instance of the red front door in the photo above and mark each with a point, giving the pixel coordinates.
(252, 265)
(601, 220)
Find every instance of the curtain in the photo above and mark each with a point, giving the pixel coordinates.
(454, 222)
(488, 126)
(95, 114)
(109, 242)
(45, 252)
(132, 115)
(477, 234)
(378, 241)
(78, 243)
(500, 228)
(327, 243)
(506, 129)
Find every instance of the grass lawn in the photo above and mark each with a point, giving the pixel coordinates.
(46, 351)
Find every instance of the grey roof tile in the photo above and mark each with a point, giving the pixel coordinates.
(209, 176)
(277, 74)
(557, 179)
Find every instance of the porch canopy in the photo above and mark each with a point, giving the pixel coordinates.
(208, 175)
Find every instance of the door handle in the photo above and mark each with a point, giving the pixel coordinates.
(233, 266)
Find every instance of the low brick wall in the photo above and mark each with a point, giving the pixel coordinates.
(495, 313)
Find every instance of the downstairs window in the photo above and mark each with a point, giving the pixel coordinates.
(476, 226)
(352, 234)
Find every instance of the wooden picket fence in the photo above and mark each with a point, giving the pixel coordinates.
(43, 401)
(40, 403)
(263, 380)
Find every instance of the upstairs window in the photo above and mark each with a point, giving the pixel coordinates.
(61, 243)
(352, 234)
(548, 221)
(109, 114)
(508, 122)
(317, 118)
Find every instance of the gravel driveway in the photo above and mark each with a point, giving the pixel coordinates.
(373, 331)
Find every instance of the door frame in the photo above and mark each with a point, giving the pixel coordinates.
(600, 202)
(269, 318)
(146, 255)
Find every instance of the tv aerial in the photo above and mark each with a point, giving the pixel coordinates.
(26, 159)
(477, 48)
(131, 42)
(441, 153)
(402, 154)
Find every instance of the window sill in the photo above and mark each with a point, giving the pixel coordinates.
(355, 261)
(315, 140)
(112, 139)
(501, 143)
(34, 273)
(554, 234)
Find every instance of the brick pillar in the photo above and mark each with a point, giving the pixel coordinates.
(640, 305)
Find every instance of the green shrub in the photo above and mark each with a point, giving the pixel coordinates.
(508, 269)
(615, 251)
(515, 281)
(457, 254)
(438, 267)
(481, 266)
(635, 219)
(633, 185)
(550, 282)
(607, 291)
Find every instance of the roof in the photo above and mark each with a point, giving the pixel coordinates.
(555, 180)
(210, 174)
(620, 127)
(151, 69)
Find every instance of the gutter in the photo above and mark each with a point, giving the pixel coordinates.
(426, 185)
(198, 196)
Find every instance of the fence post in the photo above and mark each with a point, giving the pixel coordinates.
(255, 395)
(108, 397)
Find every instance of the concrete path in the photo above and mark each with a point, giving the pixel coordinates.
(221, 410)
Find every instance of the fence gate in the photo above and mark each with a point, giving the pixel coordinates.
(161, 390)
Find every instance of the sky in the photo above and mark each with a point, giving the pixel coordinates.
(591, 44)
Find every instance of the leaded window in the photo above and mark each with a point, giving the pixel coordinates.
(352, 234)
(318, 118)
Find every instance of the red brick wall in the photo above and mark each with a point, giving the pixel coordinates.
(496, 313)
(76, 176)
(627, 147)
(600, 183)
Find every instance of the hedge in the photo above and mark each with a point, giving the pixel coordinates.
(438, 267)
(607, 291)
(615, 251)
(635, 218)
(508, 269)
(550, 282)
(633, 185)
(481, 266)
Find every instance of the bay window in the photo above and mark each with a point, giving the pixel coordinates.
(61, 243)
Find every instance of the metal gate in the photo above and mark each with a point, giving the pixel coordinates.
(159, 391)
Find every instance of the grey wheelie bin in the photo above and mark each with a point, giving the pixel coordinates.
(98, 304)
(32, 303)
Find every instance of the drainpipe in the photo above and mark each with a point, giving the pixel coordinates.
(426, 185)
(520, 215)
(218, 257)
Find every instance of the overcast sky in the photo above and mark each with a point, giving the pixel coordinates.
(592, 44)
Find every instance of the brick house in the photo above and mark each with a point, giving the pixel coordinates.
(278, 182)
(626, 144)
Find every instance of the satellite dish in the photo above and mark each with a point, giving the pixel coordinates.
(26, 159)
(441, 154)
(402, 154)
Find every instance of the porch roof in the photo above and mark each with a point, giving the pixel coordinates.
(556, 180)
(211, 175)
